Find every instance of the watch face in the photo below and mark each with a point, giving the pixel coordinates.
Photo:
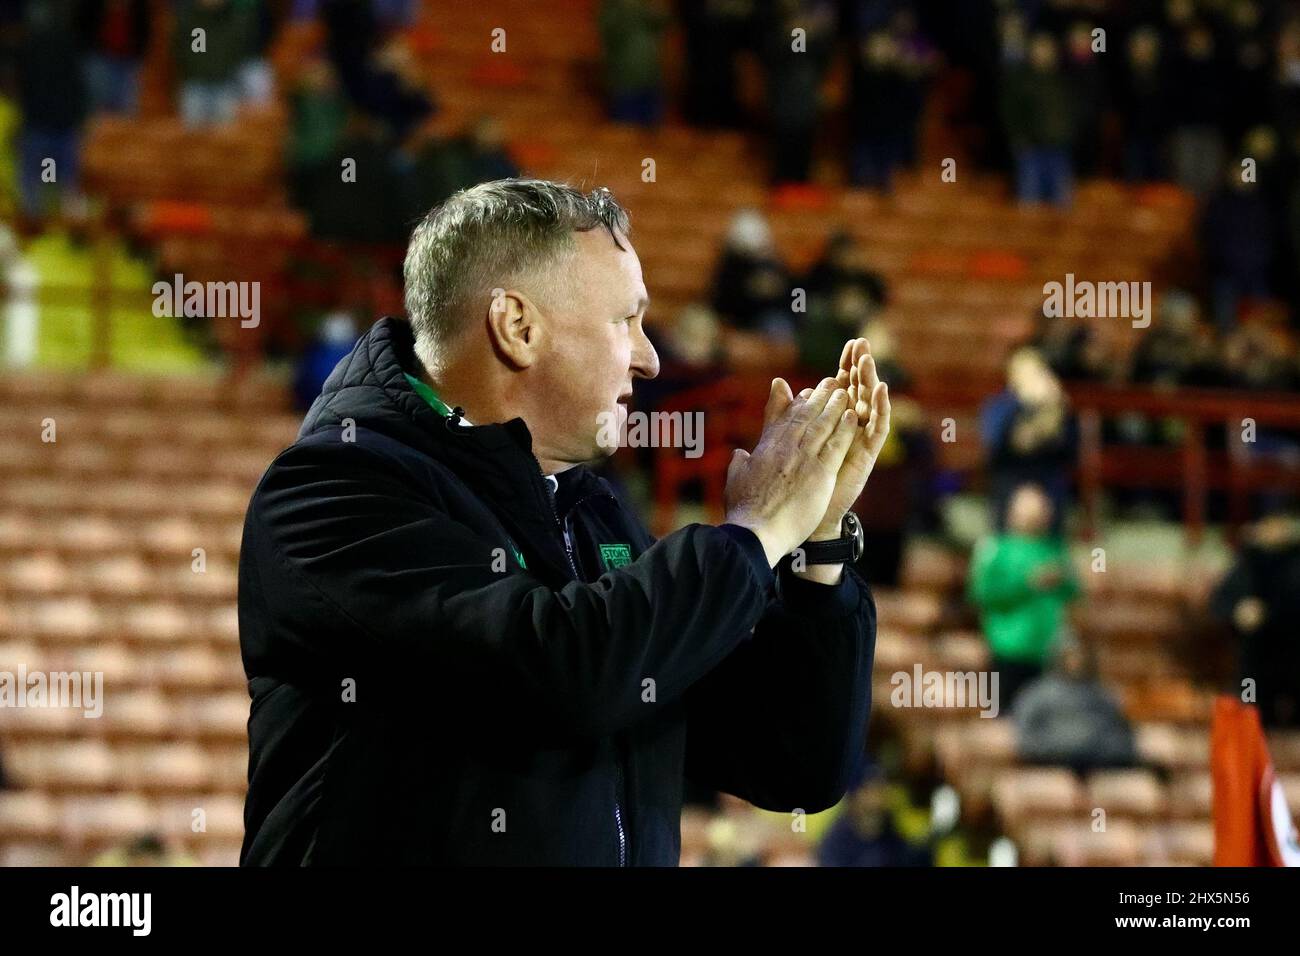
(852, 529)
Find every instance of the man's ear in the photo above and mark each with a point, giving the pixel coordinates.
(514, 327)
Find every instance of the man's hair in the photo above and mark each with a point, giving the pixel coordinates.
(510, 232)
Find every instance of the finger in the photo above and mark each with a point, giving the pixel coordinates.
(816, 402)
(804, 393)
(868, 379)
(821, 427)
(837, 445)
(860, 348)
(870, 374)
(871, 437)
(846, 364)
(878, 427)
(854, 388)
(778, 400)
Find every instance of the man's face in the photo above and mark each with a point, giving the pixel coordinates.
(596, 346)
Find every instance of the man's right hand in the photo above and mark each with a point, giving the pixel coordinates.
(782, 489)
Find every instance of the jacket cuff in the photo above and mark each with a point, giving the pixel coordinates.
(752, 548)
(811, 599)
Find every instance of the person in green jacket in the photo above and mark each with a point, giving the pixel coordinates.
(1021, 580)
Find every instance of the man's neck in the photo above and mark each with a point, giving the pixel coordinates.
(464, 388)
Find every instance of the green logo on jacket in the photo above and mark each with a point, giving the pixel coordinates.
(615, 556)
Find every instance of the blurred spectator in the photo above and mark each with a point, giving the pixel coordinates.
(714, 32)
(751, 287)
(1197, 105)
(256, 78)
(333, 342)
(1247, 61)
(691, 346)
(1021, 581)
(148, 849)
(1258, 358)
(365, 207)
(888, 69)
(52, 101)
(865, 833)
(918, 59)
(1260, 598)
(1146, 107)
(1038, 110)
(794, 79)
(391, 89)
(209, 62)
(879, 114)
(1067, 717)
(1087, 84)
(1030, 435)
(841, 264)
(1179, 349)
(351, 32)
(1013, 38)
(974, 837)
(1238, 242)
(443, 165)
(1069, 348)
(319, 117)
(631, 32)
(115, 34)
(829, 321)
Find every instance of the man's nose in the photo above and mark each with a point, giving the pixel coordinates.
(645, 360)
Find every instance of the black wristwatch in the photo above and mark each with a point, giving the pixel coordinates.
(845, 549)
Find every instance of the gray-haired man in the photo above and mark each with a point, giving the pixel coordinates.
(462, 648)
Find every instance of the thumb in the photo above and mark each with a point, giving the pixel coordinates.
(738, 459)
(779, 398)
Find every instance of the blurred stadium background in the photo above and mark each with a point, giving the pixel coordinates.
(751, 171)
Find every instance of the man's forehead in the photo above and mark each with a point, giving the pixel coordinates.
(618, 271)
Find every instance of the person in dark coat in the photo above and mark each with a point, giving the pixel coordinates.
(462, 647)
(1067, 717)
(1260, 598)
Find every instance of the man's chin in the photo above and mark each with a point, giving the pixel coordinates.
(612, 432)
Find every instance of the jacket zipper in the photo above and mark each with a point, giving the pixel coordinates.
(618, 754)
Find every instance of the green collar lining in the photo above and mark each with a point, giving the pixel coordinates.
(429, 395)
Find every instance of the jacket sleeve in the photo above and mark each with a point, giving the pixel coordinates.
(782, 721)
(348, 570)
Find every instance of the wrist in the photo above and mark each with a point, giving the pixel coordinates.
(830, 529)
(773, 546)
